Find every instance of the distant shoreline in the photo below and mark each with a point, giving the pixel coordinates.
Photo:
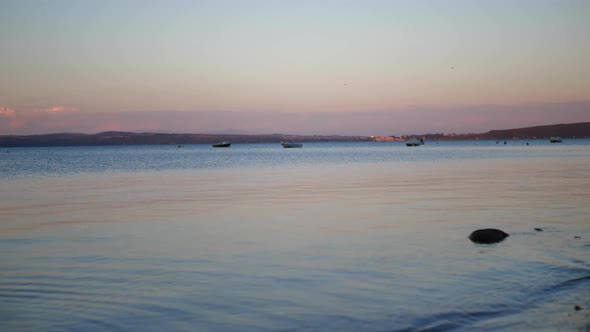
(113, 138)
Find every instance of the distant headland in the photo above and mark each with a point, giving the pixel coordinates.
(572, 130)
(569, 130)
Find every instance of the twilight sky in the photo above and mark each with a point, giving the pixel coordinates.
(307, 67)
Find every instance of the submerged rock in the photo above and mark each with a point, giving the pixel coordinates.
(488, 236)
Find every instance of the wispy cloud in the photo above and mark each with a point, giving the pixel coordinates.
(37, 120)
(57, 109)
(8, 118)
(7, 112)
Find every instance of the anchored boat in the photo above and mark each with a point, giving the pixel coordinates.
(223, 144)
(414, 142)
(291, 145)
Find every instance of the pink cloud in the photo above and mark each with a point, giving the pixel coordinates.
(57, 109)
(7, 112)
(56, 116)
(9, 117)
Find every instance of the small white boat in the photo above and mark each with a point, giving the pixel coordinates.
(224, 144)
(291, 145)
(555, 139)
(414, 142)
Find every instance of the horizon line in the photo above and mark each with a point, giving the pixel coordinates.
(284, 134)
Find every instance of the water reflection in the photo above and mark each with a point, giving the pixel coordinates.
(369, 246)
(23, 162)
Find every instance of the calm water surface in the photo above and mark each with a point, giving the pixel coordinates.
(331, 237)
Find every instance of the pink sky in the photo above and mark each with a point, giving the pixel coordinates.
(371, 67)
(397, 122)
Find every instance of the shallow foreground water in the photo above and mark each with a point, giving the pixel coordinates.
(339, 237)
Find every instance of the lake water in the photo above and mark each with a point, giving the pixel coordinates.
(330, 237)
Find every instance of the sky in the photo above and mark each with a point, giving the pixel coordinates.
(298, 67)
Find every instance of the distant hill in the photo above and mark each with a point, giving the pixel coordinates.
(130, 138)
(572, 130)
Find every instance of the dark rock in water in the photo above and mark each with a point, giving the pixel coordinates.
(539, 229)
(488, 236)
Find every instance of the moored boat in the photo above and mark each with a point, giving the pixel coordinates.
(291, 145)
(555, 139)
(414, 142)
(223, 144)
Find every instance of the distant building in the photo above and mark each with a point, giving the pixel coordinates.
(385, 138)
